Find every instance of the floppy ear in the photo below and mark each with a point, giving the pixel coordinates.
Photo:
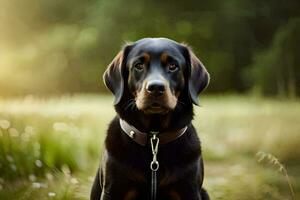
(198, 77)
(113, 75)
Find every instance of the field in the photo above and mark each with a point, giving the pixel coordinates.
(50, 148)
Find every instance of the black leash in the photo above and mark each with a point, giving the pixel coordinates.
(154, 165)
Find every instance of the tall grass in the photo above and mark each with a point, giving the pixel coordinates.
(50, 148)
(32, 151)
(280, 167)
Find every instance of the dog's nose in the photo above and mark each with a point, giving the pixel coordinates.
(155, 87)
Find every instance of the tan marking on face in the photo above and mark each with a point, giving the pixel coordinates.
(131, 194)
(140, 97)
(164, 57)
(146, 56)
(134, 93)
(168, 98)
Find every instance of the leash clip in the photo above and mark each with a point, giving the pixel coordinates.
(154, 140)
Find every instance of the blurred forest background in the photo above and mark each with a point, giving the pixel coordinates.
(54, 107)
(53, 47)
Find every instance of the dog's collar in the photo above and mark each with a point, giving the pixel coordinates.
(142, 137)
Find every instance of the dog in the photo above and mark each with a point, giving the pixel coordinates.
(155, 82)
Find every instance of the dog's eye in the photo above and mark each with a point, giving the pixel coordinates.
(172, 67)
(139, 66)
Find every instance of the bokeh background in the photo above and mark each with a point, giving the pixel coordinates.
(54, 107)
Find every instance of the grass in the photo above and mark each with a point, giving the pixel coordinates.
(275, 162)
(50, 148)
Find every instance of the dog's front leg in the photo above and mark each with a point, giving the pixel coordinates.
(96, 189)
(115, 184)
(118, 191)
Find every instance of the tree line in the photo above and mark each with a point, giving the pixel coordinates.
(55, 47)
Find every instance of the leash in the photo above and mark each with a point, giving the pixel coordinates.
(154, 165)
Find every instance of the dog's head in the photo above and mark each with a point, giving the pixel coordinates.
(156, 71)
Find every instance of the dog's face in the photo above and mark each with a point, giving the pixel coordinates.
(156, 75)
(156, 71)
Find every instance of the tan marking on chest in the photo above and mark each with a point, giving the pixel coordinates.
(174, 195)
(131, 194)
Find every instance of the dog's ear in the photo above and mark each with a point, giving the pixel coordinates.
(198, 76)
(113, 75)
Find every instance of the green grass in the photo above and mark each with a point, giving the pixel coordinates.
(50, 148)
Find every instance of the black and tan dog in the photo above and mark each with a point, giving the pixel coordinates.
(155, 82)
